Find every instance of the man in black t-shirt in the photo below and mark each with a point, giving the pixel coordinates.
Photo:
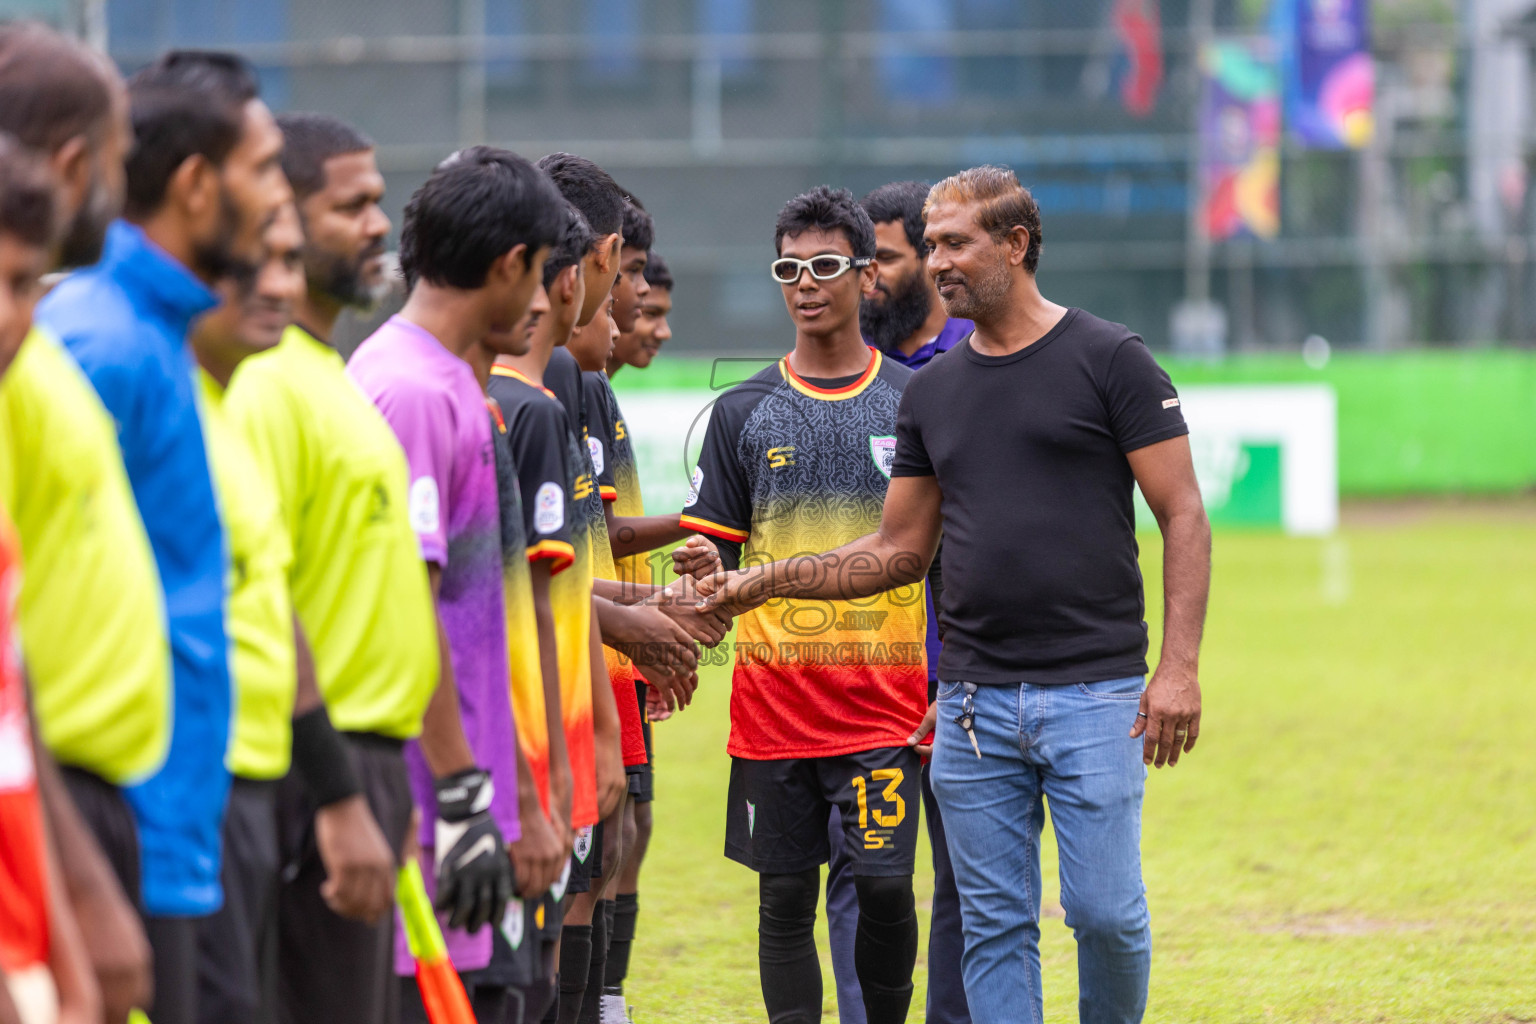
(1022, 445)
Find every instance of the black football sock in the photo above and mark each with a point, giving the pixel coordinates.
(592, 1002)
(575, 964)
(786, 947)
(885, 947)
(621, 935)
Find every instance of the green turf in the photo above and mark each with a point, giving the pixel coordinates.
(1353, 840)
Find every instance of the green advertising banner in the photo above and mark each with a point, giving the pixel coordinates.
(1409, 423)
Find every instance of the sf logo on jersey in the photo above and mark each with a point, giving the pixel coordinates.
(778, 458)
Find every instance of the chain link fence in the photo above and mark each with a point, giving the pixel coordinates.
(715, 112)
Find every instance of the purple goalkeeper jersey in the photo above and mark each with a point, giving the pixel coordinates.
(431, 399)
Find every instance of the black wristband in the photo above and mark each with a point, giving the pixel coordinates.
(463, 794)
(320, 758)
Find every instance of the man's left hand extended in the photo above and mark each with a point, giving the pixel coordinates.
(1169, 716)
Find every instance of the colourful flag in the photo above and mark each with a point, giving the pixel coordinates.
(1139, 25)
(1240, 142)
(441, 990)
(1330, 77)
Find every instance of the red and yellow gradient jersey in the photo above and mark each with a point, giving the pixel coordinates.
(525, 670)
(793, 466)
(621, 478)
(552, 485)
(23, 874)
(598, 409)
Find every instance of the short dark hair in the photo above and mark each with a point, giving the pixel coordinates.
(26, 194)
(187, 103)
(824, 208)
(657, 273)
(1002, 205)
(639, 227)
(475, 208)
(903, 201)
(52, 88)
(576, 240)
(309, 140)
(589, 188)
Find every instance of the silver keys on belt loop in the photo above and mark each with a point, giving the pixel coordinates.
(966, 719)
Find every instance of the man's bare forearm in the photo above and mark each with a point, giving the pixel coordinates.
(443, 743)
(84, 866)
(623, 591)
(870, 565)
(633, 535)
(306, 695)
(605, 712)
(1186, 584)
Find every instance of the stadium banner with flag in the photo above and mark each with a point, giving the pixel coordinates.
(1240, 141)
(1329, 74)
(1266, 455)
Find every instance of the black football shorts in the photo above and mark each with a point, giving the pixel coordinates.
(777, 811)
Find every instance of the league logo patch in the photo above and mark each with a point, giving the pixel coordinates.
(583, 848)
(596, 448)
(883, 451)
(693, 487)
(512, 924)
(751, 818)
(423, 505)
(548, 507)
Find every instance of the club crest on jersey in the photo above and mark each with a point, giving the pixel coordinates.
(883, 451)
(693, 487)
(595, 447)
(583, 848)
(751, 817)
(512, 924)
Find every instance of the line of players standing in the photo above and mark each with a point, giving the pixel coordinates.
(285, 620)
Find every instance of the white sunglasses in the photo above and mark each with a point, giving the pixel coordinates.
(787, 269)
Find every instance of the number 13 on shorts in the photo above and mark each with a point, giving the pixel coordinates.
(885, 820)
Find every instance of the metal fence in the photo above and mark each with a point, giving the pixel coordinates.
(715, 112)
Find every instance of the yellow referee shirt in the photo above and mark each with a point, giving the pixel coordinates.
(91, 609)
(358, 581)
(259, 619)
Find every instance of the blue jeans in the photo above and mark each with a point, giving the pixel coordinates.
(1068, 744)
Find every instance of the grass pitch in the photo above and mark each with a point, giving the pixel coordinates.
(1354, 838)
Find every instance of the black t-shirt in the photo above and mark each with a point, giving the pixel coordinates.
(1041, 582)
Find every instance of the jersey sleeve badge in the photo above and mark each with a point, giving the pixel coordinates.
(549, 508)
(883, 451)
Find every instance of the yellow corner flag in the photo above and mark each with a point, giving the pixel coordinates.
(441, 990)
